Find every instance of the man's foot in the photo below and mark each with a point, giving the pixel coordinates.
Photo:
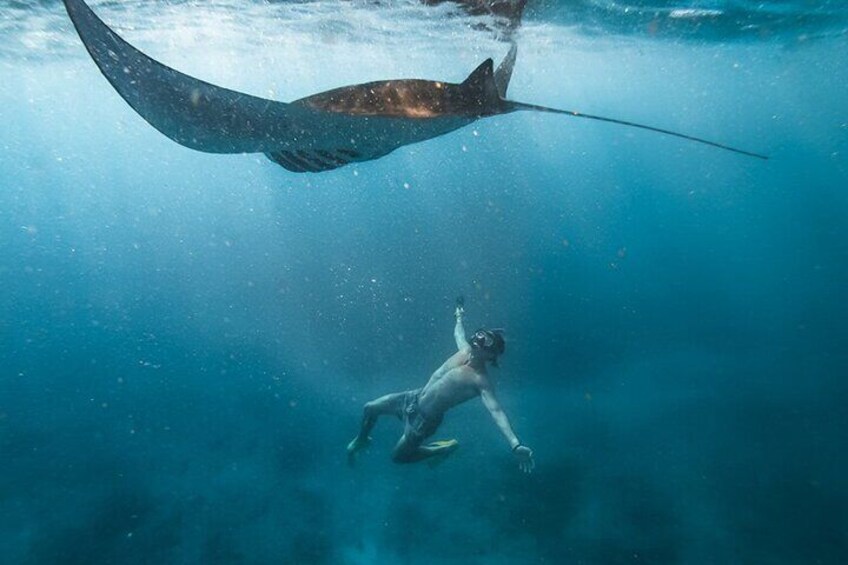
(356, 445)
(441, 450)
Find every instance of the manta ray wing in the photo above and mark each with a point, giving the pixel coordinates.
(503, 74)
(213, 119)
(193, 113)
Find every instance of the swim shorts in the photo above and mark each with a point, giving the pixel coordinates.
(416, 424)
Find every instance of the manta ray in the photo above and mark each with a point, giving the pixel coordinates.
(318, 133)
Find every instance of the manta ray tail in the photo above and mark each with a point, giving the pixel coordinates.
(533, 107)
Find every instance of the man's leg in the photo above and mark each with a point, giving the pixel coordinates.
(410, 450)
(388, 404)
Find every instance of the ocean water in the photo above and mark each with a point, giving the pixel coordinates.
(186, 339)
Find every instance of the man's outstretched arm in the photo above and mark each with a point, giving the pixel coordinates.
(523, 453)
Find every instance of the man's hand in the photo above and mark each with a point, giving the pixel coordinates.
(460, 302)
(525, 458)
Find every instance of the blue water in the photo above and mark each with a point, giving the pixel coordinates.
(186, 340)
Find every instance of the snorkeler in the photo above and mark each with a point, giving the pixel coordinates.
(462, 377)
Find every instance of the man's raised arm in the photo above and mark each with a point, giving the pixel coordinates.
(523, 453)
(458, 330)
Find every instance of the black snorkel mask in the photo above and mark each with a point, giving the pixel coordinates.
(491, 341)
(483, 339)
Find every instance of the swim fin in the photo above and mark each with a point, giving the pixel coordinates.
(441, 451)
(356, 445)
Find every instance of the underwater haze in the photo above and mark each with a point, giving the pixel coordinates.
(187, 339)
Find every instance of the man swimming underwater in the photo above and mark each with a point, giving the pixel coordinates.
(462, 377)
